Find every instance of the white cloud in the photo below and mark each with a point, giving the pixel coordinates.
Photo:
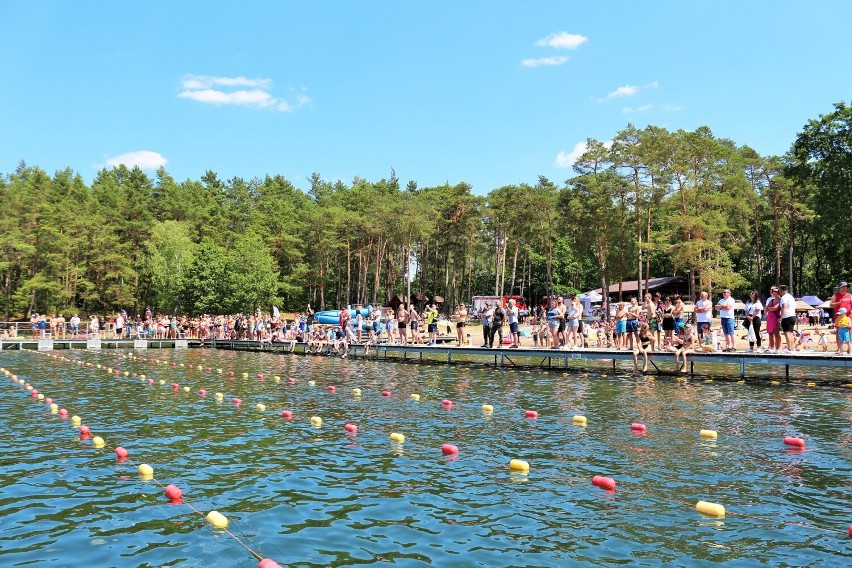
(201, 89)
(555, 60)
(643, 108)
(562, 40)
(194, 82)
(145, 159)
(628, 91)
(567, 159)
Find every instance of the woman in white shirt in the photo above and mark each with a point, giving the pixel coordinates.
(754, 312)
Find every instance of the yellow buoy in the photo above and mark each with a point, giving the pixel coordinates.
(579, 420)
(519, 465)
(811, 384)
(487, 408)
(245, 375)
(415, 397)
(711, 434)
(40, 396)
(397, 437)
(98, 442)
(200, 367)
(186, 389)
(774, 382)
(162, 382)
(277, 379)
(260, 406)
(219, 396)
(218, 370)
(603, 376)
(740, 382)
(708, 380)
(217, 519)
(76, 420)
(311, 383)
(126, 373)
(146, 470)
(712, 509)
(316, 421)
(356, 392)
(54, 408)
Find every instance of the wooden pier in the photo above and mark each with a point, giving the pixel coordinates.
(660, 362)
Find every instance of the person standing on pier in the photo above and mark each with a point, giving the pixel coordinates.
(754, 309)
(497, 324)
(402, 323)
(432, 323)
(703, 313)
(787, 307)
(726, 313)
(513, 323)
(487, 317)
(843, 325)
(461, 323)
(841, 299)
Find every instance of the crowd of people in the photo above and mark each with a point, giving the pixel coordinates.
(658, 324)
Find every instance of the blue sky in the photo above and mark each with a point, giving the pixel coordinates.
(490, 93)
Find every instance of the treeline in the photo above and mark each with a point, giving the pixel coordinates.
(648, 202)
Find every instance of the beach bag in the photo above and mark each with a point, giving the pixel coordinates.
(751, 337)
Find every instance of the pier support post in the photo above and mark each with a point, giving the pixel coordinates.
(742, 368)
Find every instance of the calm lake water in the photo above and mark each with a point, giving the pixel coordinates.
(308, 496)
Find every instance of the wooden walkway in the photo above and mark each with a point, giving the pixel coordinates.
(556, 359)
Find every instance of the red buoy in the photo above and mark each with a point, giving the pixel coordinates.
(121, 452)
(85, 430)
(237, 401)
(287, 414)
(150, 381)
(202, 392)
(607, 483)
(449, 449)
(260, 376)
(332, 388)
(636, 427)
(791, 441)
(531, 414)
(48, 400)
(173, 492)
(268, 563)
(175, 386)
(63, 413)
(350, 428)
(386, 393)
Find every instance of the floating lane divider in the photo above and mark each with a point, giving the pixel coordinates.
(172, 492)
(515, 465)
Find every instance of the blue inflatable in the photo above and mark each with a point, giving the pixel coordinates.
(332, 317)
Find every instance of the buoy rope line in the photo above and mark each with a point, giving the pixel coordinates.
(529, 414)
(157, 482)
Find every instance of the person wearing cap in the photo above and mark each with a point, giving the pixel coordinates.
(843, 324)
(841, 299)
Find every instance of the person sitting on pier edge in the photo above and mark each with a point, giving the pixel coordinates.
(643, 346)
(682, 345)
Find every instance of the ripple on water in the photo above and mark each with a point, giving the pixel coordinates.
(315, 497)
